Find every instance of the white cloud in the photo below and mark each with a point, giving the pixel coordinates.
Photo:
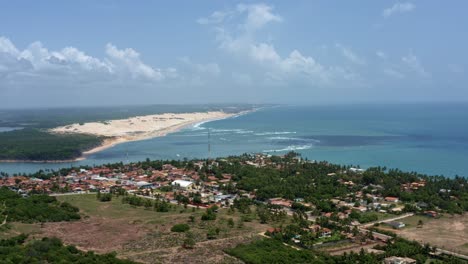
(215, 18)
(199, 68)
(398, 8)
(43, 67)
(350, 55)
(381, 54)
(7, 47)
(413, 63)
(455, 68)
(238, 36)
(263, 52)
(258, 15)
(394, 73)
(127, 61)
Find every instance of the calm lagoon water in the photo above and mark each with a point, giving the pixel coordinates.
(428, 138)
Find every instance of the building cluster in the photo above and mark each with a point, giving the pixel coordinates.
(169, 180)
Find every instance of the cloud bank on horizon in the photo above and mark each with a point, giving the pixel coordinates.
(248, 53)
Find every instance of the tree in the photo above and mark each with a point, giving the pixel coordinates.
(263, 214)
(197, 199)
(210, 213)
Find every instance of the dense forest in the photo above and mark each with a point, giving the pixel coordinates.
(49, 250)
(35, 208)
(34, 144)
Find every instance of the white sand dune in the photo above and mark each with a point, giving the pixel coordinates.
(139, 127)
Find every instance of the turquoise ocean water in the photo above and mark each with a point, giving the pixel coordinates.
(428, 138)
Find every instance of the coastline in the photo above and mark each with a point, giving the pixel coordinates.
(109, 143)
(113, 141)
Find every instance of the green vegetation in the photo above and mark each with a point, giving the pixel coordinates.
(35, 208)
(270, 251)
(273, 251)
(210, 214)
(189, 241)
(363, 217)
(49, 250)
(106, 197)
(34, 144)
(180, 228)
(158, 205)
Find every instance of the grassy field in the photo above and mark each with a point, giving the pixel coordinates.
(412, 221)
(144, 235)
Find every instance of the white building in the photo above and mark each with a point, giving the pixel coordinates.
(187, 185)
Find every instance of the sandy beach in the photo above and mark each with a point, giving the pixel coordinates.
(138, 127)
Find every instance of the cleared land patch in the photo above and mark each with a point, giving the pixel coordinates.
(145, 235)
(448, 232)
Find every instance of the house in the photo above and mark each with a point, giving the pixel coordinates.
(431, 213)
(325, 232)
(398, 260)
(168, 167)
(422, 205)
(144, 185)
(281, 202)
(356, 170)
(182, 184)
(391, 199)
(361, 209)
(396, 225)
(273, 230)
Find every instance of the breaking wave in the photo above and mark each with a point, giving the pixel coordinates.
(283, 138)
(290, 148)
(274, 133)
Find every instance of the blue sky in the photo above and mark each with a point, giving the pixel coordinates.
(55, 53)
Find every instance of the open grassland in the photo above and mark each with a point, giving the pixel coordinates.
(145, 235)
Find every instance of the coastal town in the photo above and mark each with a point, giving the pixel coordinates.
(361, 218)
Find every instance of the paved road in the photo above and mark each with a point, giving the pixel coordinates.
(383, 237)
(66, 194)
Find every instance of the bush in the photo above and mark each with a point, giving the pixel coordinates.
(107, 197)
(180, 228)
(210, 214)
(189, 241)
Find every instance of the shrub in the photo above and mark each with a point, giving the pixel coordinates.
(107, 197)
(180, 228)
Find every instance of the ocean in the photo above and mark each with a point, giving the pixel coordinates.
(427, 138)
